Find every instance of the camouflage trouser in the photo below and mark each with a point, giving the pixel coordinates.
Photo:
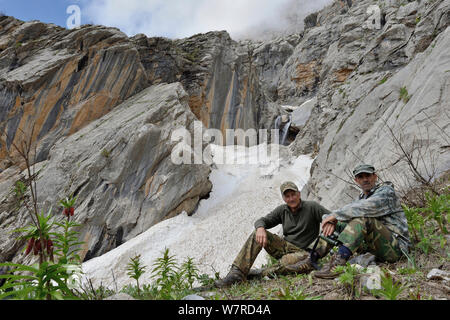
(277, 247)
(371, 233)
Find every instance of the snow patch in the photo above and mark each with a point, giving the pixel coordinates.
(214, 234)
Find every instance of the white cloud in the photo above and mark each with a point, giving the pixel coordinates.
(183, 18)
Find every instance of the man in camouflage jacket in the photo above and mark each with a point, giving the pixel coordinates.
(375, 220)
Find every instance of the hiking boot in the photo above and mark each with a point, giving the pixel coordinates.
(328, 271)
(255, 274)
(234, 276)
(302, 266)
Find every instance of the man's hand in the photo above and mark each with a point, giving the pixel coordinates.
(261, 236)
(328, 225)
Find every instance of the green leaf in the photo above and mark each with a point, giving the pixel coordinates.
(17, 277)
(22, 293)
(19, 267)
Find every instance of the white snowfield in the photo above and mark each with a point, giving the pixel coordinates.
(214, 234)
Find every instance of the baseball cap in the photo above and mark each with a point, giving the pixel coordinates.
(366, 168)
(288, 185)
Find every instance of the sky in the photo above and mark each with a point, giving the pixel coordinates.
(167, 18)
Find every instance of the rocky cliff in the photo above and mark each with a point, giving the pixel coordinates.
(58, 83)
(102, 106)
(368, 82)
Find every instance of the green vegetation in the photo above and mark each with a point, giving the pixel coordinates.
(404, 95)
(390, 289)
(47, 279)
(19, 191)
(348, 279)
(383, 80)
(418, 18)
(194, 55)
(106, 153)
(428, 225)
(135, 270)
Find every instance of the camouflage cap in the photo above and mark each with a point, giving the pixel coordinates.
(367, 168)
(288, 185)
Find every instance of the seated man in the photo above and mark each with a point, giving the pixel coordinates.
(300, 221)
(376, 219)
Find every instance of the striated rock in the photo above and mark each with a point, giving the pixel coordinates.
(354, 68)
(60, 80)
(220, 75)
(360, 133)
(270, 57)
(121, 171)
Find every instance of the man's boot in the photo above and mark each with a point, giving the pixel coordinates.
(234, 276)
(302, 266)
(255, 274)
(328, 271)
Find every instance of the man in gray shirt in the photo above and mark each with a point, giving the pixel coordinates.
(300, 221)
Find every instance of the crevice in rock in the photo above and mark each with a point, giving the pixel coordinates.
(78, 189)
(92, 253)
(82, 63)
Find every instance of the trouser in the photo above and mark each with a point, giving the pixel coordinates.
(277, 247)
(373, 236)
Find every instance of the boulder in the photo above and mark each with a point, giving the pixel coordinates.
(193, 297)
(120, 166)
(120, 296)
(438, 274)
(302, 113)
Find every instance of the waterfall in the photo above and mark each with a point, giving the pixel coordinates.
(285, 131)
(284, 128)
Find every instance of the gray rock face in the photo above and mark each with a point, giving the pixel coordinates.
(357, 74)
(120, 166)
(412, 102)
(60, 80)
(221, 76)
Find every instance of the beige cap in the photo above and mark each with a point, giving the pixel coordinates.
(288, 185)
